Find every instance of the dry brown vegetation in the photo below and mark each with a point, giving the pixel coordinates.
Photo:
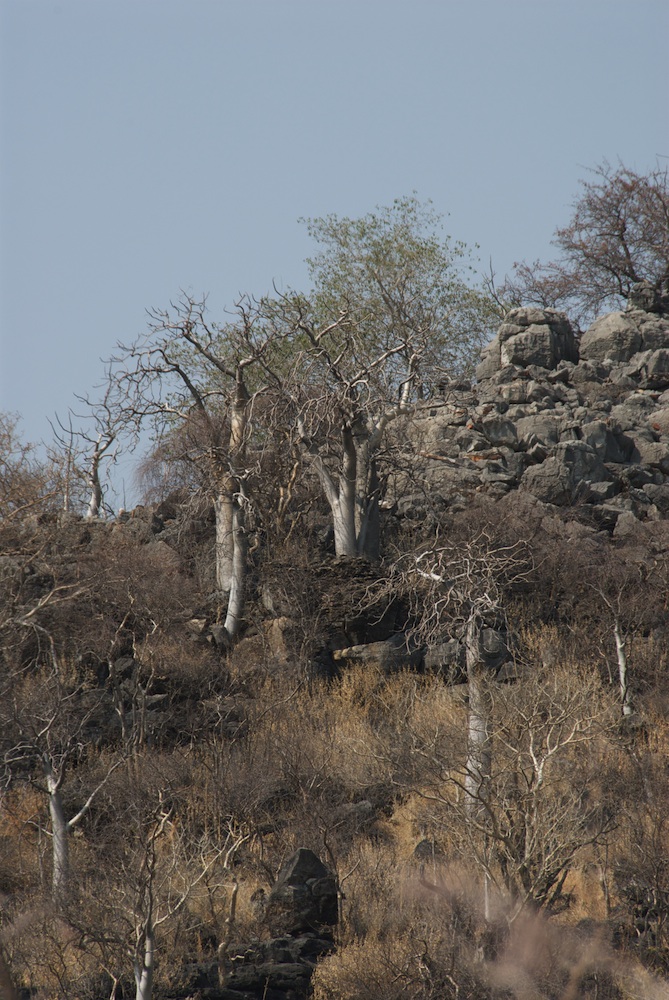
(188, 769)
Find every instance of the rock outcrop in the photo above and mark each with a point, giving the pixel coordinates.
(577, 428)
(568, 422)
(299, 912)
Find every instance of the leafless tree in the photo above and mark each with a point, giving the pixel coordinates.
(618, 236)
(152, 872)
(29, 484)
(459, 592)
(86, 447)
(198, 383)
(46, 734)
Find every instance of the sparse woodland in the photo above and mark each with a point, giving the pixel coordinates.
(454, 695)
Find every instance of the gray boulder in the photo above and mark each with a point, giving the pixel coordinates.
(649, 297)
(565, 475)
(618, 336)
(614, 337)
(529, 336)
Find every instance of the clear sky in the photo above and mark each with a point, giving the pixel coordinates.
(154, 145)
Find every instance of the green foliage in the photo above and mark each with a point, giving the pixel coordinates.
(399, 276)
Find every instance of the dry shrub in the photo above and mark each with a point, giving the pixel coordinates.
(22, 809)
(401, 939)
(47, 958)
(413, 938)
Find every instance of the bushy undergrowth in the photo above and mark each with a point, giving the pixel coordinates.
(206, 767)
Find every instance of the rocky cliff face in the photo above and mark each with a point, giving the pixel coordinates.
(567, 422)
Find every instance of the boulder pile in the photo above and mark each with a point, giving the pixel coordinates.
(567, 422)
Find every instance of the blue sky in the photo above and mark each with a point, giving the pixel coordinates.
(153, 145)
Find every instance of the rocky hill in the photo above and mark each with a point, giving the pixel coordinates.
(286, 811)
(569, 422)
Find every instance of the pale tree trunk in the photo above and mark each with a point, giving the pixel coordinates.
(102, 445)
(343, 509)
(353, 500)
(621, 653)
(95, 501)
(59, 829)
(231, 540)
(225, 545)
(144, 968)
(479, 741)
(236, 596)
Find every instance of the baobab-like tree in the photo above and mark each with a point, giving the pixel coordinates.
(392, 314)
(199, 385)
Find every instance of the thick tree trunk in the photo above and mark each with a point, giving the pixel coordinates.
(144, 969)
(237, 593)
(225, 541)
(343, 524)
(95, 501)
(354, 498)
(367, 527)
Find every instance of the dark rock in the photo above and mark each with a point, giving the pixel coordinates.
(304, 897)
(562, 477)
(387, 656)
(649, 297)
(658, 495)
(447, 658)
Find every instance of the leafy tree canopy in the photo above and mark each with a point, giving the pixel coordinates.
(398, 276)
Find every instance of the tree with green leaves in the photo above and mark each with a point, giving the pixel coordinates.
(397, 315)
(390, 316)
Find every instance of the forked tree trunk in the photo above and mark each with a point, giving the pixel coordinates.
(95, 501)
(94, 484)
(353, 498)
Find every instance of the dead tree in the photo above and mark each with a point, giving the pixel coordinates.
(86, 450)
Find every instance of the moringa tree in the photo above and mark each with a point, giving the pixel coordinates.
(516, 792)
(389, 318)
